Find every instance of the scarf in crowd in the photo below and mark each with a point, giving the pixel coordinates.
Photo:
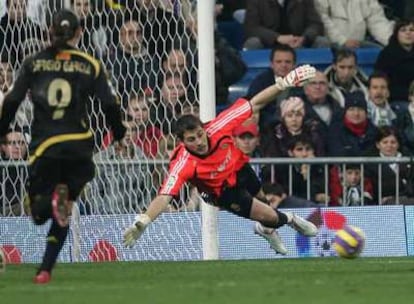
(357, 129)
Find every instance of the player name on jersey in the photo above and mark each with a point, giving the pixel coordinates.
(50, 65)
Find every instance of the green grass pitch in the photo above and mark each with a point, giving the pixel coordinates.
(313, 280)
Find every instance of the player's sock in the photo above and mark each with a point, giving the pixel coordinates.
(55, 240)
(40, 209)
(283, 219)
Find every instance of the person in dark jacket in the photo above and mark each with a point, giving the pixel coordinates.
(295, 23)
(397, 59)
(405, 123)
(354, 135)
(282, 60)
(387, 144)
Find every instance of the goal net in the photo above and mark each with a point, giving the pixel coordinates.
(150, 51)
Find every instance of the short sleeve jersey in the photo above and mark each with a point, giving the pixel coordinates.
(216, 170)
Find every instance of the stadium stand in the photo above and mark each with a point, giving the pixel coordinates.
(258, 60)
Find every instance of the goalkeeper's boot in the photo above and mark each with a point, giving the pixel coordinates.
(272, 236)
(61, 205)
(301, 225)
(43, 277)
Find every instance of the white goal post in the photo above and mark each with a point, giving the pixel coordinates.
(207, 112)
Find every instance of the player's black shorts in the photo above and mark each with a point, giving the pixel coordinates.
(46, 173)
(238, 199)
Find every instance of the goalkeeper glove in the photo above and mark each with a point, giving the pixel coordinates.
(296, 77)
(134, 232)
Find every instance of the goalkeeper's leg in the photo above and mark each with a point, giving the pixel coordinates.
(270, 219)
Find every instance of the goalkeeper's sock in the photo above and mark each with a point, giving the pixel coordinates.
(283, 219)
(55, 240)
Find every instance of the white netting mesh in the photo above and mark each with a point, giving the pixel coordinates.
(149, 49)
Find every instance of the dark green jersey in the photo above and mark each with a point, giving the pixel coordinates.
(60, 83)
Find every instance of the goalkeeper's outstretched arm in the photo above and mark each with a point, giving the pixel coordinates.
(295, 78)
(156, 207)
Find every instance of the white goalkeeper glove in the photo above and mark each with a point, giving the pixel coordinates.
(296, 77)
(134, 232)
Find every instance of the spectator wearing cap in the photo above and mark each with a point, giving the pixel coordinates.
(247, 138)
(274, 140)
(355, 133)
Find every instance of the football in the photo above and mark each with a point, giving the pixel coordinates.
(349, 242)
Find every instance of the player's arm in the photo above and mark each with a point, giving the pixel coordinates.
(178, 174)
(295, 78)
(110, 105)
(13, 98)
(141, 222)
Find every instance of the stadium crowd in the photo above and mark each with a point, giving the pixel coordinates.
(150, 51)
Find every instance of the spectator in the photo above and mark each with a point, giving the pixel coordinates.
(344, 75)
(379, 110)
(13, 177)
(148, 136)
(393, 9)
(397, 59)
(387, 144)
(229, 66)
(177, 62)
(134, 67)
(282, 61)
(355, 133)
(278, 198)
(320, 107)
(6, 73)
(121, 188)
(296, 177)
(231, 10)
(348, 22)
(294, 23)
(247, 139)
(24, 113)
(160, 28)
(94, 37)
(351, 181)
(171, 100)
(405, 123)
(275, 140)
(16, 28)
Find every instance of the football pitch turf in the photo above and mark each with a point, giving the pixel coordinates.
(312, 280)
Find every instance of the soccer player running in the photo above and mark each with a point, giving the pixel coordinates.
(208, 158)
(60, 80)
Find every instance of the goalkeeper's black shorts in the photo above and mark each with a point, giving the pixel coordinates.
(46, 173)
(239, 199)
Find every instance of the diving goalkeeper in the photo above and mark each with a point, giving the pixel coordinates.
(208, 158)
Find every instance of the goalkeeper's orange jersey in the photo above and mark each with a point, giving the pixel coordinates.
(213, 172)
